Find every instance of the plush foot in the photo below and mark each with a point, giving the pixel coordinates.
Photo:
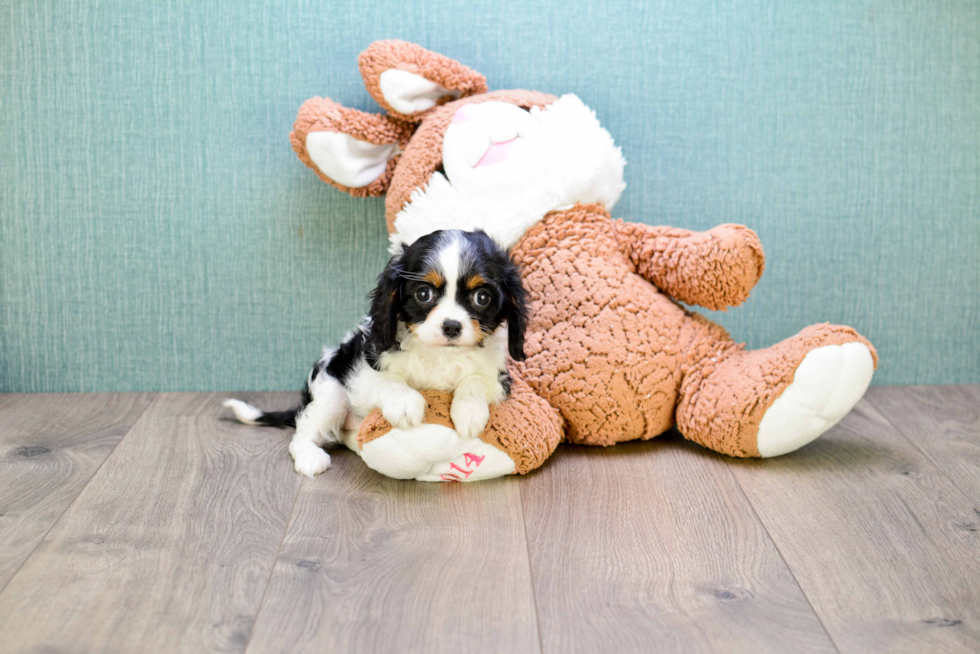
(475, 461)
(750, 403)
(826, 385)
(433, 453)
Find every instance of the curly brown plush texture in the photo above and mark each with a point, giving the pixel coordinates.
(526, 427)
(602, 343)
(325, 115)
(621, 360)
(714, 269)
(401, 55)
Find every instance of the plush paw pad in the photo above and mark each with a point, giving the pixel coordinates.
(309, 459)
(827, 384)
(405, 409)
(434, 453)
(405, 454)
(474, 461)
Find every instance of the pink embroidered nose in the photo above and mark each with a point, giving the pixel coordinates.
(496, 153)
(463, 114)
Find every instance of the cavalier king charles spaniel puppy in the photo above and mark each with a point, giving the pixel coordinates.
(440, 316)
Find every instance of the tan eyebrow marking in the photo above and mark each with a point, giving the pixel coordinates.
(433, 277)
(474, 281)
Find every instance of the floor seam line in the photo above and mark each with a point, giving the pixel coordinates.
(153, 399)
(275, 560)
(792, 573)
(530, 572)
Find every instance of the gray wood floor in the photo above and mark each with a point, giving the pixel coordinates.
(138, 522)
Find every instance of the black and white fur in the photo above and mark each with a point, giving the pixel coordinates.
(436, 323)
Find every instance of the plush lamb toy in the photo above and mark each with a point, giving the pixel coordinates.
(611, 355)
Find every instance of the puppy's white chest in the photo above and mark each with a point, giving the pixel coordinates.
(443, 368)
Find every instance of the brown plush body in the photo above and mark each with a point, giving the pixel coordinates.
(611, 353)
(604, 345)
(620, 360)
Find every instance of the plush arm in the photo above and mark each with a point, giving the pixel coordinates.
(524, 427)
(715, 269)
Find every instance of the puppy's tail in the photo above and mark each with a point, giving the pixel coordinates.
(251, 415)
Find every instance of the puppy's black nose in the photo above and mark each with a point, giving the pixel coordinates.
(451, 328)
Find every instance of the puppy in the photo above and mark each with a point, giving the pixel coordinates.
(436, 323)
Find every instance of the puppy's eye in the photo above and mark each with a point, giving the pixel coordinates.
(424, 295)
(481, 299)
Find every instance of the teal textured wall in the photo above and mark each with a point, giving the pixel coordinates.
(158, 232)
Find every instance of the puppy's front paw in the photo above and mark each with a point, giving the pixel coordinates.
(404, 409)
(309, 459)
(469, 416)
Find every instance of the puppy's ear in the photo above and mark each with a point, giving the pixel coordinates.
(385, 303)
(515, 303)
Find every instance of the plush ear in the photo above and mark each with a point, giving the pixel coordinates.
(349, 149)
(516, 310)
(385, 303)
(408, 80)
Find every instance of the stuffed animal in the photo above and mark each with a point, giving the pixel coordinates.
(612, 355)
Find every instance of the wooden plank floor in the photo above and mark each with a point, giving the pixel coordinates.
(137, 522)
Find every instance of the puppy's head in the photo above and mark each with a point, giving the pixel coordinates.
(450, 289)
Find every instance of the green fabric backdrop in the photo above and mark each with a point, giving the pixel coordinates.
(158, 233)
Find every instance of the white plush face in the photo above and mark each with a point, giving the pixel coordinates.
(506, 167)
(491, 146)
